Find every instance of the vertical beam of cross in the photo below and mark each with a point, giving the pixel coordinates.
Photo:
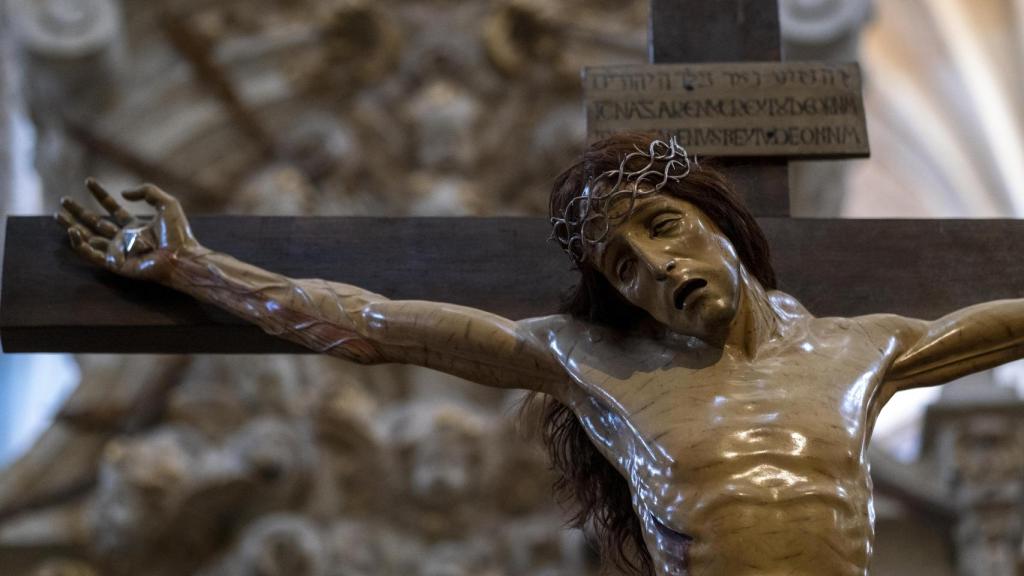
(705, 31)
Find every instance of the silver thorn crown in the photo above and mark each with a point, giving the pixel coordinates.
(590, 216)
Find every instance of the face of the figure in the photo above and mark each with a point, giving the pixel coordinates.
(670, 259)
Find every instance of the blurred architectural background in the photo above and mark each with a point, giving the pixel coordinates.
(311, 466)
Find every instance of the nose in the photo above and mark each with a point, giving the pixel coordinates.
(653, 257)
(664, 270)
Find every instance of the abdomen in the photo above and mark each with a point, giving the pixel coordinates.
(805, 529)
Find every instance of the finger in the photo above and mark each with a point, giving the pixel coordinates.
(80, 245)
(66, 203)
(151, 194)
(75, 236)
(106, 228)
(109, 203)
(89, 218)
(98, 243)
(64, 219)
(115, 259)
(82, 232)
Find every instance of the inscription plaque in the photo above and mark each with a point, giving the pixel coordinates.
(792, 109)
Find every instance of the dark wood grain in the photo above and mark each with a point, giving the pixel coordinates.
(53, 302)
(703, 31)
(715, 31)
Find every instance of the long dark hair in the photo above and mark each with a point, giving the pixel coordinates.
(596, 493)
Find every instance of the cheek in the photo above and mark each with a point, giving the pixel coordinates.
(731, 264)
(727, 265)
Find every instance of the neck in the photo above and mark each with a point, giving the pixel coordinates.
(755, 323)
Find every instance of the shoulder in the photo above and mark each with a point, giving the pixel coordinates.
(880, 329)
(557, 327)
(901, 330)
(567, 339)
(575, 343)
(563, 340)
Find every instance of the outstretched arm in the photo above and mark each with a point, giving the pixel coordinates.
(328, 317)
(969, 340)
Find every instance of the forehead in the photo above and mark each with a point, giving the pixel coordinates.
(643, 205)
(644, 208)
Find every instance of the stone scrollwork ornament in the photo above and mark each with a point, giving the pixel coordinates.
(519, 34)
(66, 28)
(73, 50)
(822, 21)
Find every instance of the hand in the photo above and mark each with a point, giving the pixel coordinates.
(124, 244)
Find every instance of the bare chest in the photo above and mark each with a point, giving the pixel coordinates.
(799, 413)
(731, 450)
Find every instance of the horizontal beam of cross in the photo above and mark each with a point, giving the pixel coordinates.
(54, 302)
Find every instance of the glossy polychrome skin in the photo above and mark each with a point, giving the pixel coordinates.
(740, 421)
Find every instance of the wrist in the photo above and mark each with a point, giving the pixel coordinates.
(191, 251)
(183, 265)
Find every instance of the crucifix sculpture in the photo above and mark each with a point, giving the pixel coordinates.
(708, 422)
(735, 420)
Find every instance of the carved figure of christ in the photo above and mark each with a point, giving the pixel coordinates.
(739, 421)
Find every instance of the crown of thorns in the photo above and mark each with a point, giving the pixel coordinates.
(589, 217)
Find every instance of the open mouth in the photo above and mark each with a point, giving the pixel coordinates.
(687, 290)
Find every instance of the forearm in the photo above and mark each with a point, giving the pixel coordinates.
(325, 317)
(347, 321)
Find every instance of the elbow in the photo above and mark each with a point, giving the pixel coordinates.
(371, 322)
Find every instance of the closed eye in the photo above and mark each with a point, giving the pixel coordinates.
(665, 226)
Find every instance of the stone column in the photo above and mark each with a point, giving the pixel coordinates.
(71, 51)
(6, 190)
(976, 435)
(6, 112)
(826, 30)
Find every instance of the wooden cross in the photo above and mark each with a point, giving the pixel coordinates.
(53, 301)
